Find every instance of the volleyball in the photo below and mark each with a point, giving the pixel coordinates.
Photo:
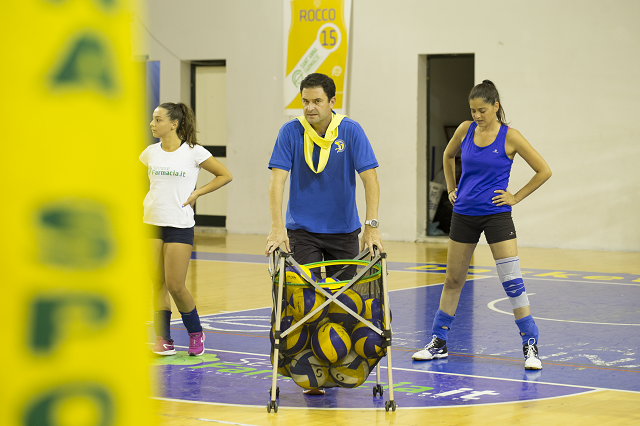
(331, 343)
(299, 274)
(372, 362)
(283, 364)
(353, 301)
(305, 300)
(366, 342)
(285, 323)
(307, 371)
(374, 310)
(296, 341)
(352, 371)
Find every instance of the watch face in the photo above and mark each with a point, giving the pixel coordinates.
(373, 223)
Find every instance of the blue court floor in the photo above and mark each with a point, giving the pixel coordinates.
(589, 340)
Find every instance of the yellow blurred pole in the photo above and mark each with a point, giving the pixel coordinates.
(74, 260)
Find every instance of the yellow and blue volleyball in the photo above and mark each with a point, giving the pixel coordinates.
(305, 300)
(330, 284)
(283, 364)
(353, 301)
(351, 372)
(285, 323)
(297, 340)
(299, 274)
(374, 310)
(373, 362)
(331, 343)
(366, 342)
(307, 371)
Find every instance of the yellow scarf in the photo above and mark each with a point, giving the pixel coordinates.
(311, 138)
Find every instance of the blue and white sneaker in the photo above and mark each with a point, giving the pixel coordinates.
(437, 348)
(531, 360)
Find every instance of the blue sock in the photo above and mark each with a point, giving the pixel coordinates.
(161, 324)
(442, 324)
(191, 321)
(528, 329)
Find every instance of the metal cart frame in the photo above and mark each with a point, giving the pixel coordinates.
(278, 262)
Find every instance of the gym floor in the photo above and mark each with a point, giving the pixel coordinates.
(585, 304)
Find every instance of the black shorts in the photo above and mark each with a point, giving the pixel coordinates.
(467, 229)
(310, 247)
(169, 234)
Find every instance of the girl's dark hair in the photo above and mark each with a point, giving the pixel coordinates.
(186, 121)
(489, 94)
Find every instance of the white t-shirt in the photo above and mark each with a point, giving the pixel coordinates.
(173, 177)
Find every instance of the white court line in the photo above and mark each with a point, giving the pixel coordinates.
(411, 370)
(382, 408)
(491, 305)
(201, 418)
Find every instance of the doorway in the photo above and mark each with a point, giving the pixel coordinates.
(450, 78)
(209, 103)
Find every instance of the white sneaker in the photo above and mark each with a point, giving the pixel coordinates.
(437, 348)
(531, 360)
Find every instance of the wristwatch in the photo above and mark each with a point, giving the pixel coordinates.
(372, 223)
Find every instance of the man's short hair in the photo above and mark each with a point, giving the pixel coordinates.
(319, 80)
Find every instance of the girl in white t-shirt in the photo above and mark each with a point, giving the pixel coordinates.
(173, 166)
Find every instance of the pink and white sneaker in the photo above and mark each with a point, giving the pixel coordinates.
(196, 344)
(163, 347)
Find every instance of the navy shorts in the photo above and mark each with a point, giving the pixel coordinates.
(169, 234)
(496, 227)
(310, 247)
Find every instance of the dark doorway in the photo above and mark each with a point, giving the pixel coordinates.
(450, 78)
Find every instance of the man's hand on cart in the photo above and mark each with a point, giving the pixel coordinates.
(276, 237)
(371, 237)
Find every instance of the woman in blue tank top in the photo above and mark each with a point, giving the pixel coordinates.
(482, 203)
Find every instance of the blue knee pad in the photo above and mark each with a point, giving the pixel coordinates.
(528, 330)
(511, 278)
(441, 324)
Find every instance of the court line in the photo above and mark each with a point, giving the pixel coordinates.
(442, 272)
(203, 419)
(287, 407)
(457, 374)
(411, 370)
(396, 348)
(491, 305)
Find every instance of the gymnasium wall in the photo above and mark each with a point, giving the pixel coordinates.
(568, 78)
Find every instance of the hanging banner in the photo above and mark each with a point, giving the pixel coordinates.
(74, 262)
(316, 40)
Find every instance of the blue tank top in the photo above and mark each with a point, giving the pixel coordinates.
(484, 170)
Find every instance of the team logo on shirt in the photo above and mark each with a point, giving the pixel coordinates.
(165, 171)
(339, 145)
(495, 151)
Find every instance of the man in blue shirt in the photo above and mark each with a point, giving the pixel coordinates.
(322, 151)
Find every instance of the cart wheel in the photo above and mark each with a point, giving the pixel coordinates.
(386, 406)
(377, 389)
(277, 391)
(392, 404)
(274, 405)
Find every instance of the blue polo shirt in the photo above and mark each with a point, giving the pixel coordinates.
(324, 202)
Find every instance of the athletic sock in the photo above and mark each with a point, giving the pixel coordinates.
(442, 324)
(161, 324)
(528, 329)
(191, 321)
